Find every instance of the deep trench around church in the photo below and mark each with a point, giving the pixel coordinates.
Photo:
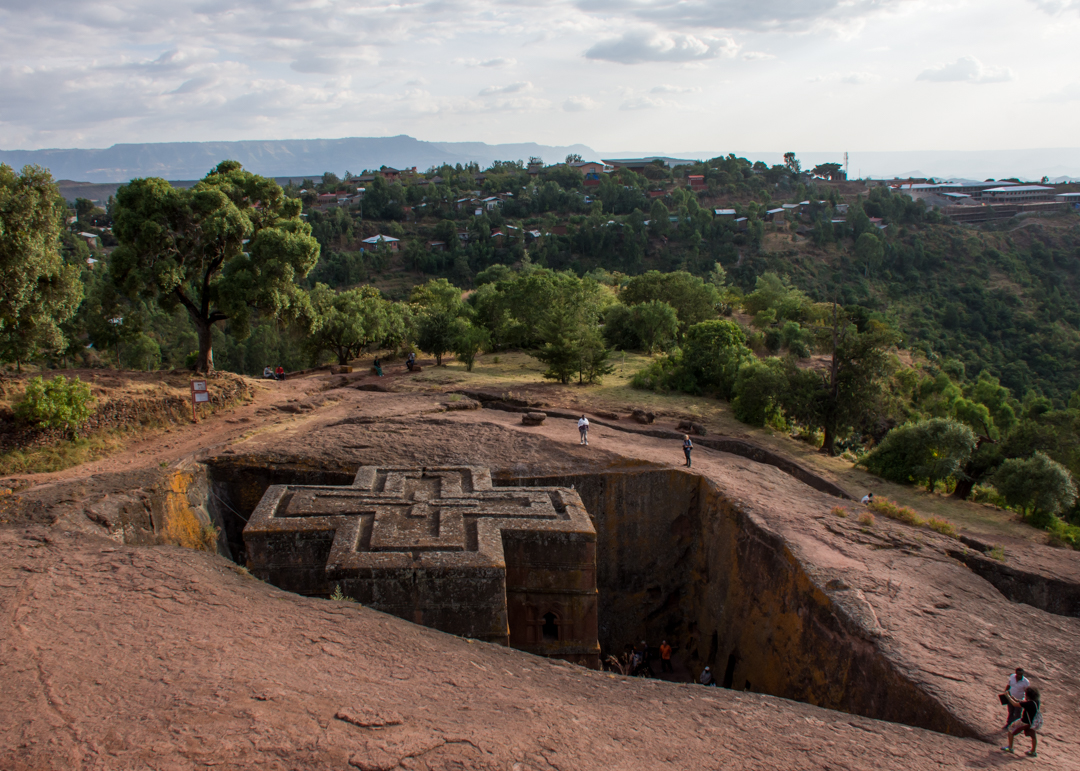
(678, 561)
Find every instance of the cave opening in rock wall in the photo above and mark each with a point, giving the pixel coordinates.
(677, 562)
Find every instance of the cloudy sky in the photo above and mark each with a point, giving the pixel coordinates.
(614, 74)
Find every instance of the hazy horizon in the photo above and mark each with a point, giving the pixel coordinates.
(896, 75)
(311, 157)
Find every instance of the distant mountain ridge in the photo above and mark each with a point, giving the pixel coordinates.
(273, 158)
(311, 157)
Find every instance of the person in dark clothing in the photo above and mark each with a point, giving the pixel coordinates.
(378, 367)
(410, 362)
(687, 446)
(707, 678)
(1030, 720)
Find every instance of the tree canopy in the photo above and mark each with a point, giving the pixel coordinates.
(228, 246)
(40, 291)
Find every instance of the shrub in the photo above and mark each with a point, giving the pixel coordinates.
(340, 596)
(942, 526)
(923, 452)
(866, 519)
(887, 508)
(839, 511)
(997, 553)
(758, 389)
(1064, 534)
(57, 403)
(1037, 487)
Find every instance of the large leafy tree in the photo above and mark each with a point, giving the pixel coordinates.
(694, 301)
(38, 291)
(346, 322)
(223, 249)
(848, 391)
(440, 307)
(713, 352)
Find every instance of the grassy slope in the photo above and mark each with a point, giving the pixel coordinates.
(523, 376)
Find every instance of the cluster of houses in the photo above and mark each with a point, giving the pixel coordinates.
(792, 211)
(973, 201)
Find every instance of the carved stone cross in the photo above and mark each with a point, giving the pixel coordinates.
(434, 545)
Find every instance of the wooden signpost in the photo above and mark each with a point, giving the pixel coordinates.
(199, 395)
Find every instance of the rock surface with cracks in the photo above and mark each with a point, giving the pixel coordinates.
(132, 658)
(122, 657)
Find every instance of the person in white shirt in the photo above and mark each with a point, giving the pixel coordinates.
(868, 498)
(1017, 688)
(583, 429)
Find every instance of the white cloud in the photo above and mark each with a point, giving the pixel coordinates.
(646, 103)
(753, 56)
(1057, 6)
(511, 88)
(580, 103)
(966, 69)
(759, 15)
(847, 78)
(666, 89)
(639, 47)
(858, 78)
(499, 61)
(1070, 93)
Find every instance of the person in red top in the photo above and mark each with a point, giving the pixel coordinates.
(665, 657)
(280, 372)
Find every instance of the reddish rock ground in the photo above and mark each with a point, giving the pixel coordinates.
(162, 658)
(121, 657)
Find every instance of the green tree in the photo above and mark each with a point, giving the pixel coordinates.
(922, 453)
(848, 391)
(694, 300)
(712, 353)
(571, 335)
(656, 324)
(869, 252)
(440, 306)
(345, 323)
(773, 293)
(231, 244)
(144, 353)
(831, 171)
(758, 390)
(468, 342)
(39, 292)
(1037, 486)
(791, 163)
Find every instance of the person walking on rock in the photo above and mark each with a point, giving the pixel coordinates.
(1030, 720)
(687, 447)
(665, 657)
(583, 429)
(1016, 689)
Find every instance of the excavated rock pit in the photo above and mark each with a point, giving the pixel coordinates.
(677, 560)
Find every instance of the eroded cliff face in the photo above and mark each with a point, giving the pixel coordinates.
(677, 560)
